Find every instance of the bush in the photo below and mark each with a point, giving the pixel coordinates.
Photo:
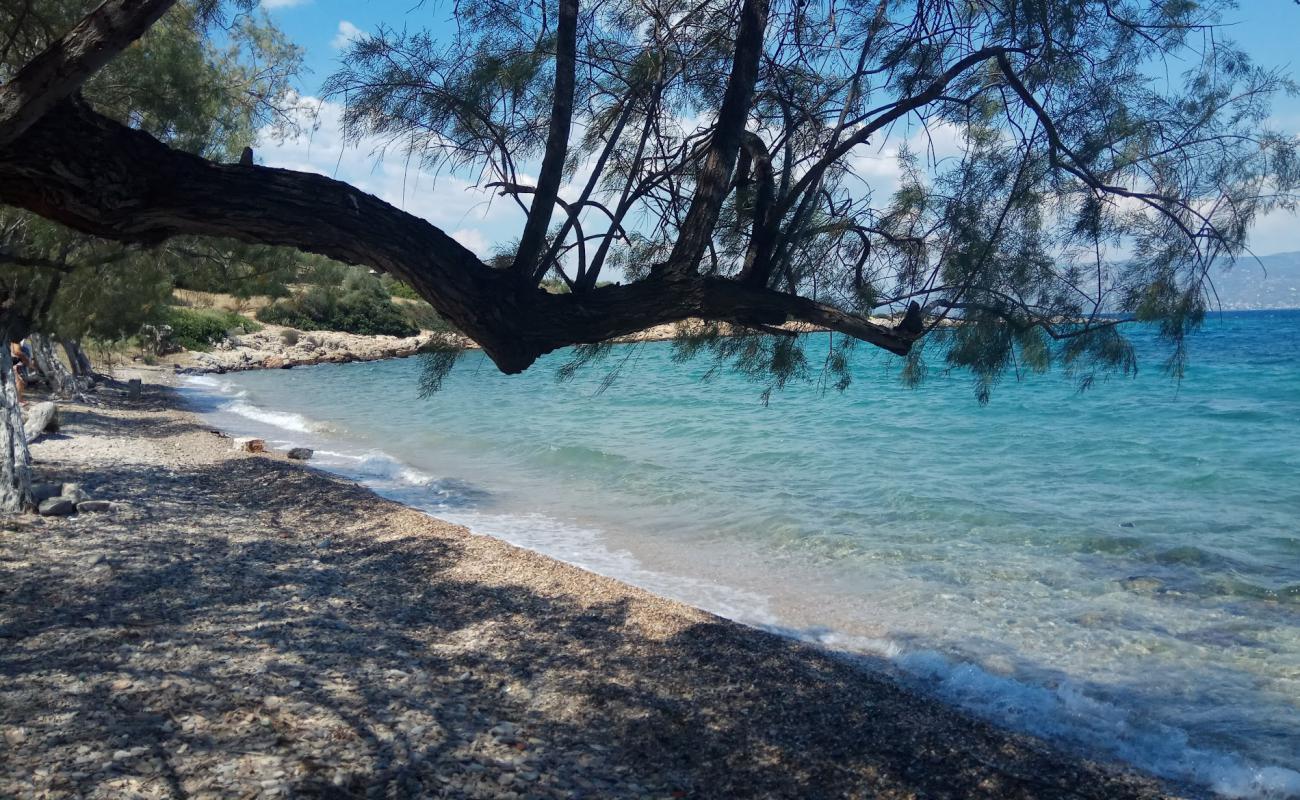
(421, 315)
(289, 336)
(396, 288)
(200, 328)
(361, 306)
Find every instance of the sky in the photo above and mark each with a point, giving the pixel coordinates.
(478, 220)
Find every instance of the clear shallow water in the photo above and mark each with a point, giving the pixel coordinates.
(1118, 570)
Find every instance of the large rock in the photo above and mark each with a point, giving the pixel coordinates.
(57, 507)
(301, 453)
(41, 418)
(248, 444)
(74, 492)
(44, 491)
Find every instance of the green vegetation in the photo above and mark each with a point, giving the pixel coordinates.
(361, 305)
(200, 328)
(396, 288)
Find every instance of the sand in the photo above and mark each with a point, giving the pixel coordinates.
(245, 626)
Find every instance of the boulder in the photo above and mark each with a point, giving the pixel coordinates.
(41, 417)
(94, 506)
(248, 444)
(56, 507)
(300, 453)
(44, 491)
(74, 492)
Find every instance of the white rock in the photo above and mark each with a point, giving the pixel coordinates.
(41, 417)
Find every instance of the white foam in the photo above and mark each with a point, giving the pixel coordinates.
(1068, 714)
(277, 419)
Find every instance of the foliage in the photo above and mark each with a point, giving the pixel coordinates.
(361, 305)
(200, 328)
(1034, 145)
(178, 84)
(399, 289)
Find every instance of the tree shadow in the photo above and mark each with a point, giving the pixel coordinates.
(254, 624)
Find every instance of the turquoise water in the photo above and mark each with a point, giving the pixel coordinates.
(1117, 570)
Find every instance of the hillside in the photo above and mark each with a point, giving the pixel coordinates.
(1271, 281)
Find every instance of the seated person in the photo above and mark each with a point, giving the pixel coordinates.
(20, 362)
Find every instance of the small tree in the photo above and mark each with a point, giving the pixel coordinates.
(59, 283)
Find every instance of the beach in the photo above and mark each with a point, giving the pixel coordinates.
(243, 625)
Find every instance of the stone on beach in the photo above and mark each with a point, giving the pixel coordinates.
(56, 507)
(44, 491)
(300, 453)
(41, 418)
(249, 444)
(74, 492)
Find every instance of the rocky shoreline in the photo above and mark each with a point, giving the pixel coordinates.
(237, 624)
(277, 347)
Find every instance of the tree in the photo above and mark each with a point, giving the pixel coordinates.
(720, 147)
(178, 85)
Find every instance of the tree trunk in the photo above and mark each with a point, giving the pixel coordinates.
(82, 369)
(15, 461)
(52, 370)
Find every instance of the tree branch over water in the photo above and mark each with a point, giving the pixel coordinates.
(727, 170)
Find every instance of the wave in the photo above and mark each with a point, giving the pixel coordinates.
(1066, 713)
(217, 395)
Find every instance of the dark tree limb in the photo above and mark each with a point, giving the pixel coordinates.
(758, 255)
(69, 61)
(533, 240)
(100, 177)
(714, 176)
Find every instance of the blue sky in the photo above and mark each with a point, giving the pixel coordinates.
(1266, 28)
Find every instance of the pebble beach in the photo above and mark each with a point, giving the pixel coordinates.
(241, 625)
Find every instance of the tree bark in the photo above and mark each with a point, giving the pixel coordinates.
(15, 460)
(51, 368)
(533, 239)
(98, 176)
(714, 177)
(80, 364)
(65, 65)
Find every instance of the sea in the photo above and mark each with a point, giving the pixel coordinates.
(1116, 569)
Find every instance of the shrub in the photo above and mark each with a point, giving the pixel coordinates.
(396, 288)
(200, 328)
(289, 336)
(361, 306)
(421, 315)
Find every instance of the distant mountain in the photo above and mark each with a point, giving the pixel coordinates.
(1267, 282)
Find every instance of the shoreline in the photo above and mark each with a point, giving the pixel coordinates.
(695, 703)
(268, 348)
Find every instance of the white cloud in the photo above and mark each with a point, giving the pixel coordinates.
(1278, 232)
(348, 33)
(474, 239)
(273, 4)
(474, 217)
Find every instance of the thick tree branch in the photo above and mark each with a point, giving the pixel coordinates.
(100, 177)
(67, 63)
(714, 176)
(533, 239)
(758, 256)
